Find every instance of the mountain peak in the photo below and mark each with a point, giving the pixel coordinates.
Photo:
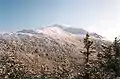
(58, 29)
(58, 26)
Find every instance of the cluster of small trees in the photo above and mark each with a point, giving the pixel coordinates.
(109, 64)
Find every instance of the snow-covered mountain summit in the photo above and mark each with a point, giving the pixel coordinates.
(54, 31)
(62, 30)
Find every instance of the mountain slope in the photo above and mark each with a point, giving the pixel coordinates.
(48, 51)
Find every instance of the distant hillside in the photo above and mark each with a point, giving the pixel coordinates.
(50, 51)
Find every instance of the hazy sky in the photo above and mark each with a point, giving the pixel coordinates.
(100, 16)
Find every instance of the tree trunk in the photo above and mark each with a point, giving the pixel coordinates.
(87, 59)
